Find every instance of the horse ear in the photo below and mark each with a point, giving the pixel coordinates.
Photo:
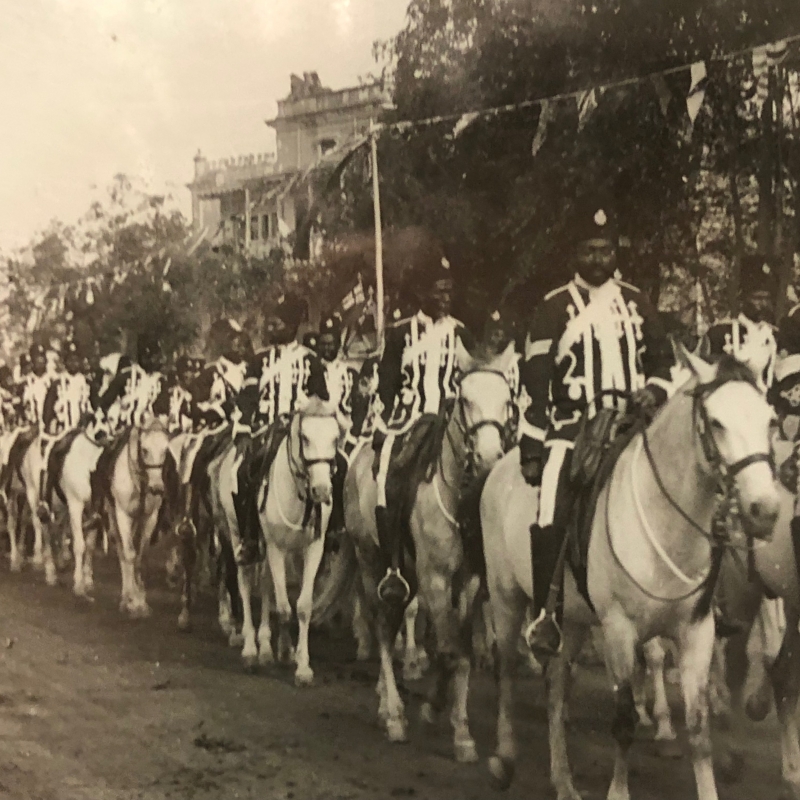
(506, 358)
(704, 371)
(464, 360)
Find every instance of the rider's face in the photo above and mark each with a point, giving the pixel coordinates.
(758, 306)
(39, 366)
(72, 364)
(596, 260)
(327, 347)
(439, 300)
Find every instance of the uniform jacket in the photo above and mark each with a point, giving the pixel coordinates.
(277, 380)
(33, 396)
(341, 379)
(179, 419)
(584, 341)
(215, 391)
(786, 388)
(10, 409)
(66, 403)
(419, 369)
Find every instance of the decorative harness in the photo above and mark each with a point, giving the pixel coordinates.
(469, 433)
(718, 535)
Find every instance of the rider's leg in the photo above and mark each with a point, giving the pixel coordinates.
(43, 512)
(393, 588)
(242, 501)
(547, 538)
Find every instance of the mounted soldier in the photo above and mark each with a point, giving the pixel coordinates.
(594, 343)
(417, 377)
(213, 399)
(180, 397)
(279, 380)
(136, 393)
(66, 410)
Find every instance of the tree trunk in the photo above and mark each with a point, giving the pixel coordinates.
(765, 173)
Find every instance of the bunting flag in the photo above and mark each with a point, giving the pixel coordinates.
(587, 103)
(663, 92)
(697, 90)
(545, 118)
(770, 55)
(354, 297)
(464, 121)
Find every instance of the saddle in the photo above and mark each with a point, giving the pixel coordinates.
(600, 443)
(412, 462)
(58, 455)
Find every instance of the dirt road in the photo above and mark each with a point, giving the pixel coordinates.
(99, 708)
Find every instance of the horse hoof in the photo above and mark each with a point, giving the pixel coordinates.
(363, 654)
(729, 766)
(37, 562)
(669, 748)
(396, 731)
(427, 714)
(235, 639)
(15, 565)
(50, 576)
(184, 622)
(466, 752)
(266, 657)
(250, 664)
(303, 678)
(665, 733)
(501, 772)
(140, 612)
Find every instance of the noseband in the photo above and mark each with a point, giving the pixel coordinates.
(300, 470)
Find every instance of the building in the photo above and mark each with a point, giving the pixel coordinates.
(255, 202)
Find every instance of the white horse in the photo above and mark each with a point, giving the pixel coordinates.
(33, 464)
(474, 431)
(74, 481)
(661, 497)
(137, 491)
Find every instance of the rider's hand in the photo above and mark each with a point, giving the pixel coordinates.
(645, 401)
(378, 438)
(530, 460)
(532, 472)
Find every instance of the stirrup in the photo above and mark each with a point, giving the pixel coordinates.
(390, 573)
(533, 643)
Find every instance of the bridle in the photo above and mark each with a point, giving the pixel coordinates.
(143, 467)
(299, 469)
(469, 430)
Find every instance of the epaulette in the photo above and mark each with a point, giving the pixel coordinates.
(550, 295)
(397, 323)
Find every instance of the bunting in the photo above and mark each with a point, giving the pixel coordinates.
(770, 55)
(464, 121)
(587, 103)
(545, 118)
(697, 90)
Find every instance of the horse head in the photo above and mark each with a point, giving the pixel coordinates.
(485, 408)
(736, 429)
(151, 453)
(317, 434)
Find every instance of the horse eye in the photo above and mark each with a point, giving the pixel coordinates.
(716, 425)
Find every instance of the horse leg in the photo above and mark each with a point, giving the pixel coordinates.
(508, 610)
(277, 568)
(246, 581)
(655, 654)
(763, 646)
(141, 608)
(620, 651)
(412, 669)
(785, 676)
(303, 675)
(361, 628)
(75, 510)
(230, 602)
(127, 555)
(558, 680)
(88, 559)
(188, 551)
(14, 523)
(695, 650)
(463, 744)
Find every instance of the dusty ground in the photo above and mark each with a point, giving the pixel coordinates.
(96, 707)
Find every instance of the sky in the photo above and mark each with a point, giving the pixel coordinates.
(93, 88)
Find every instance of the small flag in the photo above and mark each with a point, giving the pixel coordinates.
(545, 118)
(463, 123)
(697, 90)
(587, 103)
(769, 55)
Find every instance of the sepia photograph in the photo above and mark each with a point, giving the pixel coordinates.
(400, 399)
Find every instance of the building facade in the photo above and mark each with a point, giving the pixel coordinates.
(255, 203)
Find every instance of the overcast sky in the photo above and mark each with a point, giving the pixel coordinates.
(91, 88)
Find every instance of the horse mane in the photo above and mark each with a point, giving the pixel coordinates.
(318, 408)
(729, 369)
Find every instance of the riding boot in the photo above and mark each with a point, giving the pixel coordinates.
(242, 501)
(95, 516)
(543, 635)
(393, 588)
(336, 522)
(43, 512)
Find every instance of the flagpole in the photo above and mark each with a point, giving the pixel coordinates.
(376, 205)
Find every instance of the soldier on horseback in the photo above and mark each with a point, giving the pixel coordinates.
(278, 380)
(180, 397)
(417, 376)
(66, 409)
(594, 343)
